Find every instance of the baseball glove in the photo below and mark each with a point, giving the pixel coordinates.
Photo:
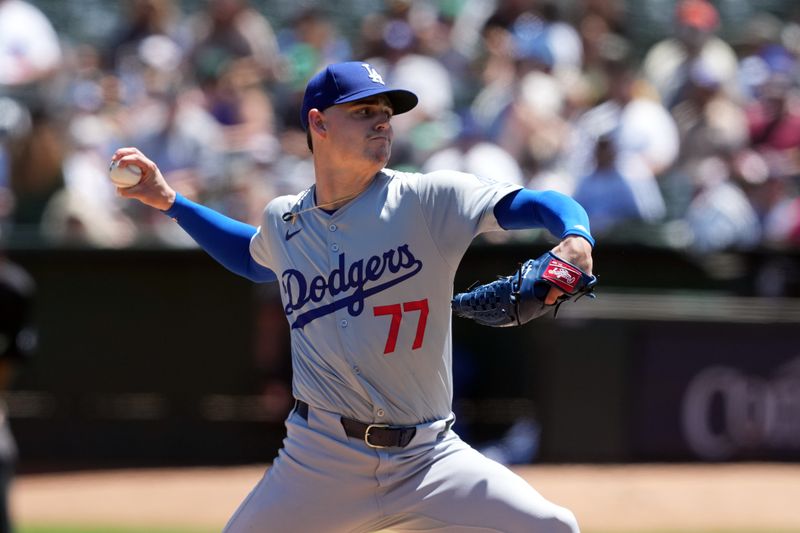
(516, 299)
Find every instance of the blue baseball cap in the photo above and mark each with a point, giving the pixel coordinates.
(348, 82)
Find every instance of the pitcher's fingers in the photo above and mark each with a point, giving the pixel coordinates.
(138, 159)
(553, 295)
(130, 153)
(128, 192)
(122, 152)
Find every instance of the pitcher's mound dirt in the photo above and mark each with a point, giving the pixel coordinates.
(610, 498)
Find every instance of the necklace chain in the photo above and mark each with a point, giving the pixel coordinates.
(292, 215)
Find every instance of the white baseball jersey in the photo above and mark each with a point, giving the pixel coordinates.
(367, 290)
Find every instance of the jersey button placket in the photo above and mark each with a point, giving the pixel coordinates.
(334, 246)
(342, 317)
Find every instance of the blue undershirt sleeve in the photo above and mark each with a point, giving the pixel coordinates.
(558, 213)
(223, 238)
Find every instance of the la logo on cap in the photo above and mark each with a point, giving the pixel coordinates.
(373, 74)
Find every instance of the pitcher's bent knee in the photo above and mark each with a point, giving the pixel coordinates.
(561, 521)
(565, 522)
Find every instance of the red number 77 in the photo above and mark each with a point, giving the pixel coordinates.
(396, 312)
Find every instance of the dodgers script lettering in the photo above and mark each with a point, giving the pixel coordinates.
(399, 264)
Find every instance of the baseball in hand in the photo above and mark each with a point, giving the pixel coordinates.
(124, 176)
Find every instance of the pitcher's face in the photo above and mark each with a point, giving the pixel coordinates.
(362, 130)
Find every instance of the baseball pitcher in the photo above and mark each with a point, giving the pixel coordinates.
(365, 260)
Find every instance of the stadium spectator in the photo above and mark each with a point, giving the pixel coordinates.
(614, 192)
(36, 156)
(225, 31)
(709, 120)
(720, 216)
(86, 210)
(644, 135)
(139, 20)
(772, 191)
(666, 64)
(213, 91)
(473, 153)
(774, 116)
(30, 51)
(310, 43)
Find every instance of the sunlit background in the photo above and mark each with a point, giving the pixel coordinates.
(675, 123)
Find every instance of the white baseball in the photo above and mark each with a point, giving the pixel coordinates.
(124, 176)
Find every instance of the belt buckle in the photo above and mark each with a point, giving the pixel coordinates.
(366, 435)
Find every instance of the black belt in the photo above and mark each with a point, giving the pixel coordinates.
(374, 435)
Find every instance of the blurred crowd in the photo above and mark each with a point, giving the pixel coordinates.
(692, 143)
